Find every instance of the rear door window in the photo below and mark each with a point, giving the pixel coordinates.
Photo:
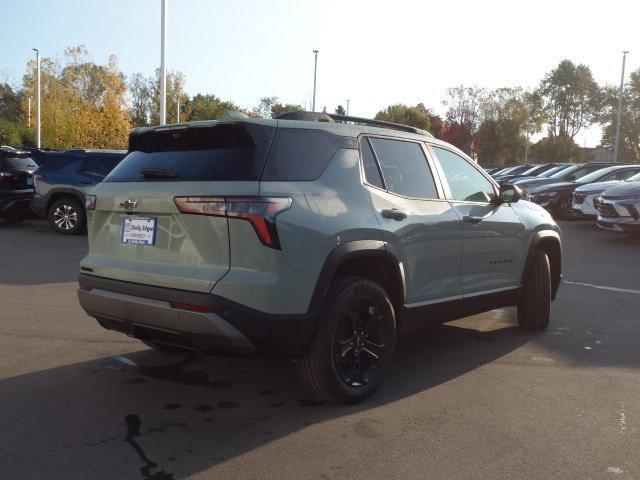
(99, 166)
(218, 153)
(404, 168)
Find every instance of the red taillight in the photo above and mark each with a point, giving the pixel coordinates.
(261, 212)
(190, 307)
(85, 287)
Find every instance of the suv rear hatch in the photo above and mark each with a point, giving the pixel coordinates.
(137, 230)
(17, 173)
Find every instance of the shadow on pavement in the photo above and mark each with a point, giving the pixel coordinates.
(161, 416)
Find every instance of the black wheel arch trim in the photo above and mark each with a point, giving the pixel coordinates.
(548, 239)
(62, 192)
(348, 251)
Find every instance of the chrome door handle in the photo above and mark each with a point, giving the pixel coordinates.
(472, 219)
(394, 214)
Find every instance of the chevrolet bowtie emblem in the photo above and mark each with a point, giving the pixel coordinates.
(129, 204)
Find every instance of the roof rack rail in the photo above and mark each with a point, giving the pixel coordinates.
(379, 123)
(322, 117)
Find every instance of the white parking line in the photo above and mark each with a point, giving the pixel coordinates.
(602, 287)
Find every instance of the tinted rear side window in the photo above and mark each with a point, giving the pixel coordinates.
(218, 153)
(371, 171)
(302, 155)
(56, 162)
(404, 168)
(100, 166)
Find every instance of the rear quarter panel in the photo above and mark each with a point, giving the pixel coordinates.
(333, 210)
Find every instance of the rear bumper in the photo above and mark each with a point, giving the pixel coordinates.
(39, 205)
(145, 312)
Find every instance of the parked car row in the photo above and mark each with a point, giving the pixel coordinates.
(606, 192)
(51, 184)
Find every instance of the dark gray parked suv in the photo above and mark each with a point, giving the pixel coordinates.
(319, 238)
(62, 182)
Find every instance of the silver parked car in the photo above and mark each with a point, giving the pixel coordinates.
(584, 198)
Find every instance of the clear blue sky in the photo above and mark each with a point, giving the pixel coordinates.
(375, 53)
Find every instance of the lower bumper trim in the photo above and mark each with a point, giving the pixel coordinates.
(156, 320)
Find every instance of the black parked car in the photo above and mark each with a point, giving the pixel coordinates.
(557, 197)
(540, 171)
(62, 181)
(16, 184)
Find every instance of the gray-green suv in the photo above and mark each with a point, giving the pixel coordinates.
(315, 237)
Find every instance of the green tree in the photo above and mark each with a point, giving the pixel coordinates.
(571, 99)
(340, 110)
(417, 116)
(270, 107)
(630, 120)
(10, 104)
(508, 117)
(205, 107)
(279, 109)
(556, 149)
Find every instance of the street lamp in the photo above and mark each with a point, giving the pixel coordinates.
(315, 71)
(163, 67)
(616, 147)
(37, 96)
(348, 100)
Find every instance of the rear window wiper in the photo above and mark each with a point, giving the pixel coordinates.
(158, 173)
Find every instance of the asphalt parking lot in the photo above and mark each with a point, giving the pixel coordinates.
(477, 399)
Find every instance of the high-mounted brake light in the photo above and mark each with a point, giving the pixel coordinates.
(261, 212)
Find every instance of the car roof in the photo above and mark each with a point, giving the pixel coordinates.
(344, 128)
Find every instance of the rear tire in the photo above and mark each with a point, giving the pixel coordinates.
(66, 216)
(354, 344)
(534, 307)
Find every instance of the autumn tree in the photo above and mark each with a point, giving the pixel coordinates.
(83, 103)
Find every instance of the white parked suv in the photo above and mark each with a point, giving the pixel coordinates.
(584, 203)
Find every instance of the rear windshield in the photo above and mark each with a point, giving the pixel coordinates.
(23, 163)
(218, 153)
(56, 162)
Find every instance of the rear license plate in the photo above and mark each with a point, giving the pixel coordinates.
(139, 230)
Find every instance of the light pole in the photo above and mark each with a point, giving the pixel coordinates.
(348, 106)
(163, 66)
(29, 112)
(37, 96)
(616, 147)
(315, 71)
(178, 116)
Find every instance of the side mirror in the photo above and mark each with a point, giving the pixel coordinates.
(510, 194)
